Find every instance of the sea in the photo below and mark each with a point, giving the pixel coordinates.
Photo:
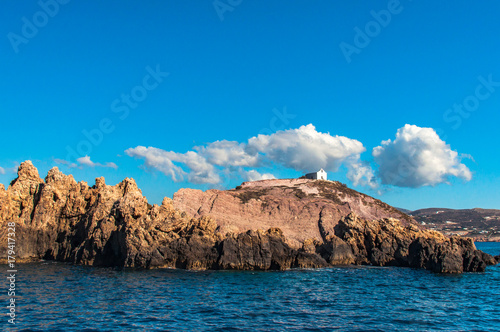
(54, 296)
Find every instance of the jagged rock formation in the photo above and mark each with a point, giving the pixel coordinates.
(64, 220)
(60, 219)
(386, 242)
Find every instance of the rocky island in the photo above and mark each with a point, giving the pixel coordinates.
(261, 225)
(479, 224)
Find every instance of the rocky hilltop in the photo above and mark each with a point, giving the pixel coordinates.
(261, 225)
(303, 209)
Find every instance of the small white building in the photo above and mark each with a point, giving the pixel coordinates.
(319, 175)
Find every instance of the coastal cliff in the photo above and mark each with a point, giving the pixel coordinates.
(261, 225)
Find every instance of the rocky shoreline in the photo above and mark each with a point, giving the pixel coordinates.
(262, 225)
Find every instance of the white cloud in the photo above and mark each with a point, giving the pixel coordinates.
(228, 153)
(65, 162)
(158, 159)
(305, 149)
(84, 161)
(2, 170)
(362, 174)
(418, 157)
(253, 175)
(200, 170)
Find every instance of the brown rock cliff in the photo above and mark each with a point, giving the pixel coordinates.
(303, 209)
(277, 224)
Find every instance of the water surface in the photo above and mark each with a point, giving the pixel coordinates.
(63, 297)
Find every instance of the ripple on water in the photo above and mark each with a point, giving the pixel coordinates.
(55, 296)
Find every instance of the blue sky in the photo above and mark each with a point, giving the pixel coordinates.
(150, 81)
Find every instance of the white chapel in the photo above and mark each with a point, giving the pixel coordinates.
(319, 175)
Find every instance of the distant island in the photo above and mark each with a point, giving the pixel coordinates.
(260, 225)
(482, 225)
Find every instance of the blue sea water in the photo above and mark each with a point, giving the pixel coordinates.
(61, 297)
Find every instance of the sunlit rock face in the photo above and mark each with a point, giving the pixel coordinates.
(261, 225)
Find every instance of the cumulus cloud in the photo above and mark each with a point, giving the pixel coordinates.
(253, 175)
(84, 161)
(362, 174)
(201, 171)
(305, 149)
(227, 153)
(158, 159)
(416, 158)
